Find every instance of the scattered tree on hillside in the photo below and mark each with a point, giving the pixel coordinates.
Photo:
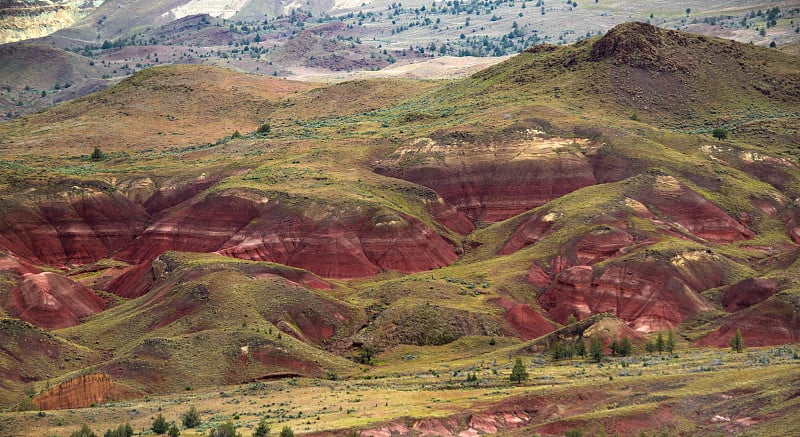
(366, 354)
(191, 418)
(737, 342)
(669, 345)
(719, 133)
(596, 350)
(558, 351)
(262, 430)
(97, 154)
(580, 348)
(122, 431)
(227, 429)
(85, 431)
(287, 432)
(624, 347)
(518, 372)
(173, 430)
(159, 425)
(660, 343)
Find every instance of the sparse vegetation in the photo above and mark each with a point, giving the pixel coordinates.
(436, 341)
(227, 429)
(125, 430)
(85, 431)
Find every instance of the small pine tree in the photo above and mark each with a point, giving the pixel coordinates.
(191, 418)
(719, 133)
(287, 432)
(159, 425)
(614, 346)
(624, 348)
(97, 154)
(518, 372)
(580, 348)
(173, 430)
(85, 431)
(669, 346)
(572, 319)
(660, 343)
(262, 430)
(227, 429)
(366, 354)
(122, 431)
(558, 351)
(596, 350)
(737, 342)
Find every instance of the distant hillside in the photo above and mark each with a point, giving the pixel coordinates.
(118, 38)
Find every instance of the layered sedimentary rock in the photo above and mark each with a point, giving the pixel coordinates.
(772, 322)
(200, 226)
(649, 295)
(527, 322)
(691, 212)
(80, 226)
(327, 240)
(51, 300)
(791, 219)
(82, 392)
(601, 244)
(492, 182)
(747, 293)
(532, 230)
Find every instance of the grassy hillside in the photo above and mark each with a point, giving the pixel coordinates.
(401, 235)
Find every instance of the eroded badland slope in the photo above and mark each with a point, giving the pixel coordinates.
(239, 229)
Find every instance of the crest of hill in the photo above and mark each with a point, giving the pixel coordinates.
(309, 49)
(174, 99)
(667, 77)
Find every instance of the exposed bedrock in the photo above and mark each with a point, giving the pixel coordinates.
(493, 182)
(672, 207)
(327, 240)
(791, 219)
(75, 229)
(82, 392)
(649, 295)
(687, 209)
(51, 300)
(527, 322)
(747, 293)
(772, 322)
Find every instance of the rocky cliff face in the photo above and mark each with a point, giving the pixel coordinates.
(83, 392)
